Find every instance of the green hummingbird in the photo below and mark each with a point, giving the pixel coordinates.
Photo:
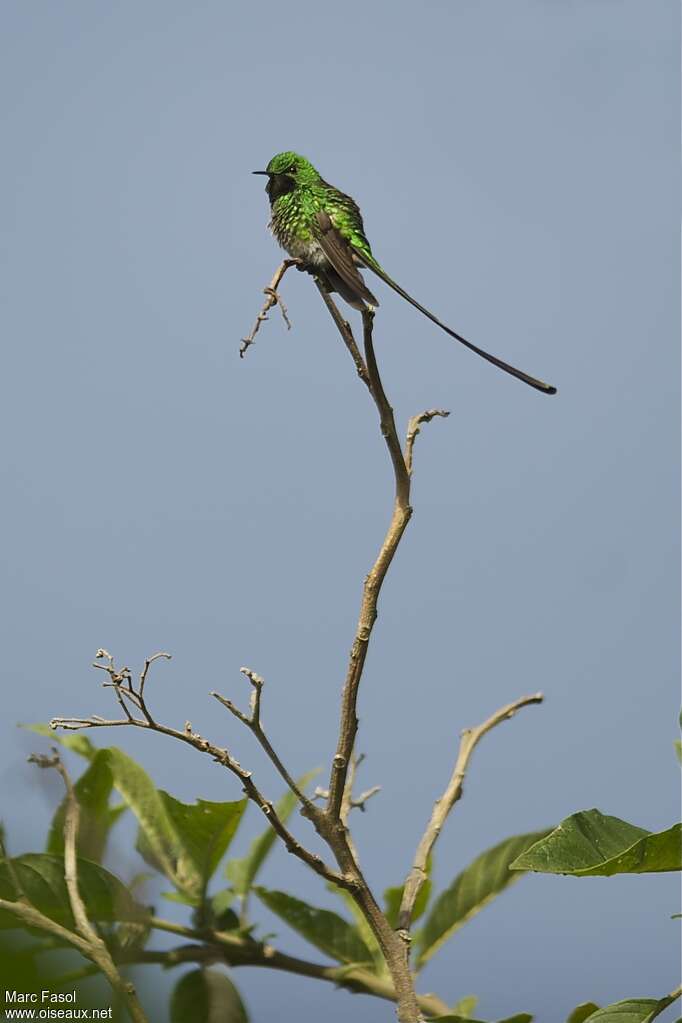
(322, 227)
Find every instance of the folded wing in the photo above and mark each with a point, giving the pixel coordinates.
(339, 252)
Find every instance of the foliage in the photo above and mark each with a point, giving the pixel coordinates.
(590, 844)
(186, 844)
(206, 996)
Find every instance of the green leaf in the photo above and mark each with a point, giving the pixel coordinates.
(632, 1010)
(458, 1017)
(205, 829)
(520, 1017)
(243, 872)
(206, 996)
(322, 928)
(678, 749)
(92, 791)
(221, 915)
(185, 842)
(590, 844)
(76, 743)
(182, 898)
(450, 1018)
(158, 840)
(476, 886)
(393, 897)
(465, 1006)
(582, 1012)
(41, 878)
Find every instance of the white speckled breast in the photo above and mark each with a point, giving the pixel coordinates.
(310, 251)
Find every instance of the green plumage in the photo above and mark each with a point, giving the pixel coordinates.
(294, 211)
(322, 227)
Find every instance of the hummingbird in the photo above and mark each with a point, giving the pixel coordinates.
(322, 227)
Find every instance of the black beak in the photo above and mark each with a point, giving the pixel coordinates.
(260, 172)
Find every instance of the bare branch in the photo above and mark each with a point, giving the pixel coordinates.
(147, 663)
(235, 950)
(272, 298)
(257, 681)
(32, 917)
(221, 756)
(253, 723)
(344, 329)
(351, 802)
(386, 418)
(469, 740)
(332, 824)
(117, 678)
(360, 801)
(71, 822)
(413, 429)
(664, 1003)
(76, 724)
(402, 513)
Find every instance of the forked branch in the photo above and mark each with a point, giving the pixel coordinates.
(121, 682)
(469, 739)
(253, 723)
(272, 298)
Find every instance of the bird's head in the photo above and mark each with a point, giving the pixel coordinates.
(288, 171)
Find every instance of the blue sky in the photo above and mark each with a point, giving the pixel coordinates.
(517, 169)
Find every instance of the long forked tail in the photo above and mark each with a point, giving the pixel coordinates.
(539, 385)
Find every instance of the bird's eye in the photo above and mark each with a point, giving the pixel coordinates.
(292, 170)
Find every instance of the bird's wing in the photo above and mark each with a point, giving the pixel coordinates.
(339, 252)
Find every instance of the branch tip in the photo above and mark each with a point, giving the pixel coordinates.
(272, 298)
(469, 739)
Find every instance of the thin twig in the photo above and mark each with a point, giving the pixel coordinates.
(360, 802)
(368, 610)
(235, 950)
(344, 329)
(121, 681)
(272, 298)
(32, 917)
(413, 429)
(386, 417)
(346, 803)
(469, 740)
(97, 950)
(221, 756)
(253, 723)
(664, 1003)
(116, 677)
(351, 802)
(147, 663)
(71, 822)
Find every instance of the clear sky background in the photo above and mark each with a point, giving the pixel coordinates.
(517, 166)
